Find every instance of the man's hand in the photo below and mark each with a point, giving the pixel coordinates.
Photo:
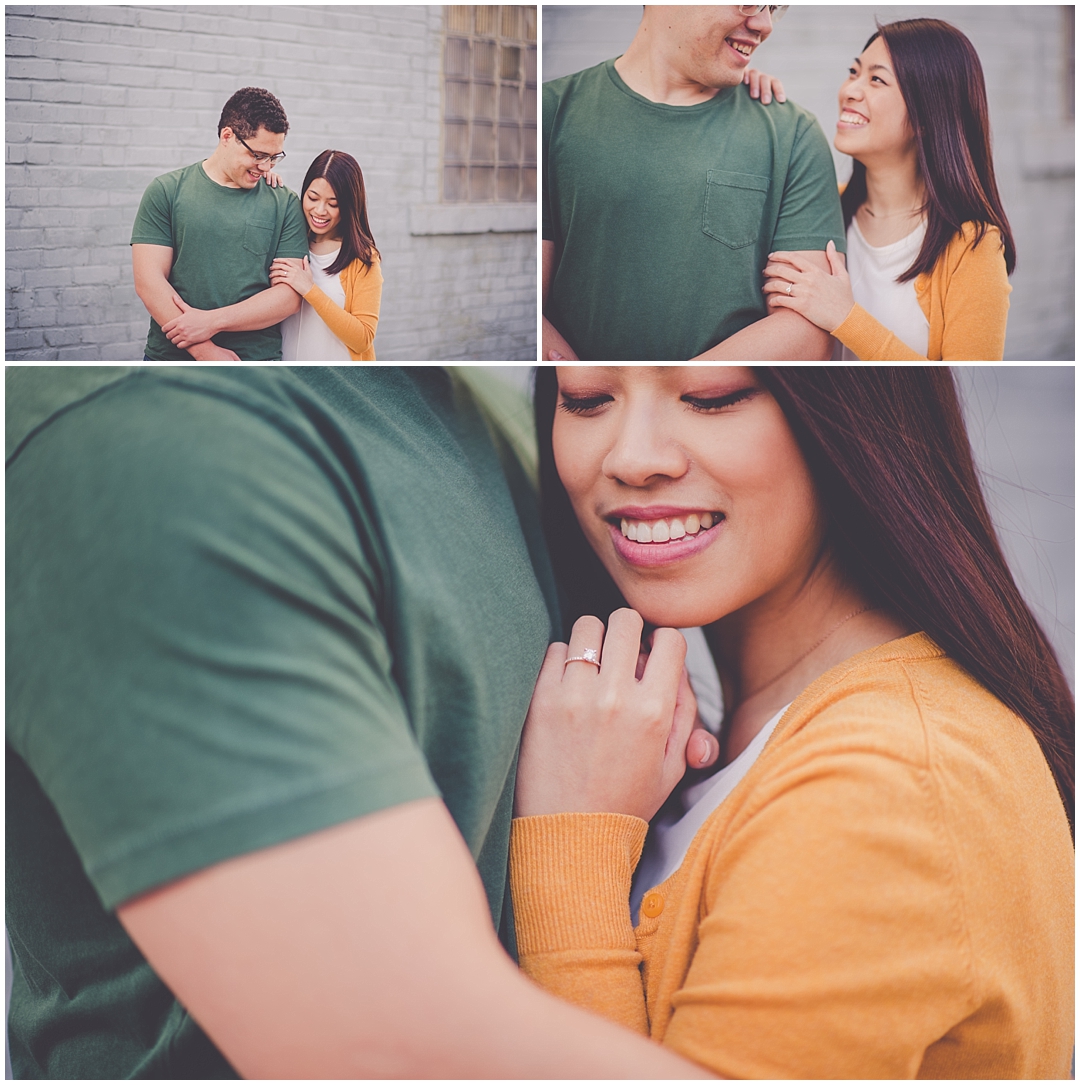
(555, 346)
(211, 352)
(192, 326)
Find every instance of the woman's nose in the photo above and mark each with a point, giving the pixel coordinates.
(643, 453)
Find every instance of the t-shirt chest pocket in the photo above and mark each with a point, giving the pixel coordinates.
(734, 203)
(257, 237)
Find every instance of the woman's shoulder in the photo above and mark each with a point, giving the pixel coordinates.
(902, 700)
(978, 248)
(358, 269)
(976, 241)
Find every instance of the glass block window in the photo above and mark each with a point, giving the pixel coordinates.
(489, 104)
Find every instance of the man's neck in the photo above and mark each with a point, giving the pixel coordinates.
(644, 69)
(214, 171)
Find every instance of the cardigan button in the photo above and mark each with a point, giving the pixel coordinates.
(652, 904)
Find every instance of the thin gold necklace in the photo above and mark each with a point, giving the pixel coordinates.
(813, 648)
(891, 214)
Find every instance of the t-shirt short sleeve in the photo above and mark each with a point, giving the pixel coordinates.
(810, 213)
(293, 242)
(153, 223)
(207, 674)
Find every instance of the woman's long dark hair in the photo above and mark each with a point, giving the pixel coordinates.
(941, 79)
(889, 454)
(343, 174)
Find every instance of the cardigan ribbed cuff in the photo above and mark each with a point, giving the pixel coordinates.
(570, 878)
(870, 341)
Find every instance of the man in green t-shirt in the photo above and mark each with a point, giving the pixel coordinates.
(272, 636)
(666, 187)
(205, 236)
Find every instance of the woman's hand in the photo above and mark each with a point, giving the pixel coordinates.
(795, 283)
(603, 740)
(765, 87)
(291, 272)
(273, 179)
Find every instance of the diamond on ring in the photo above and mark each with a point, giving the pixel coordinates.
(789, 286)
(588, 655)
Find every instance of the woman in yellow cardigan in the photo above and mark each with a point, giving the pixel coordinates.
(340, 280)
(878, 881)
(929, 246)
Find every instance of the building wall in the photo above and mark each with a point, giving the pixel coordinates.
(1026, 53)
(102, 99)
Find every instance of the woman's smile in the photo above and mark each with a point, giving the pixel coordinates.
(660, 536)
(849, 118)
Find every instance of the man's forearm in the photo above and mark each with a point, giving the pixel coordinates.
(156, 293)
(262, 310)
(265, 951)
(782, 336)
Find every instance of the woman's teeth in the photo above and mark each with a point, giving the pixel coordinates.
(852, 118)
(662, 531)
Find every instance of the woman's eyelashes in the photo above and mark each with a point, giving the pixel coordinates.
(708, 404)
(585, 404)
(581, 404)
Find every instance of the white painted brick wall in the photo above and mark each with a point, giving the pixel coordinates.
(1023, 53)
(102, 99)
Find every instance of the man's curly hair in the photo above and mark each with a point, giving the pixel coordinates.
(250, 109)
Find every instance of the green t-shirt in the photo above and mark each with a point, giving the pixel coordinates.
(223, 240)
(663, 216)
(243, 605)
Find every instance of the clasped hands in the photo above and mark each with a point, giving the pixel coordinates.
(195, 328)
(793, 282)
(615, 738)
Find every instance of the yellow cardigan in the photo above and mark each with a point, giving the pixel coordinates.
(965, 298)
(355, 324)
(887, 893)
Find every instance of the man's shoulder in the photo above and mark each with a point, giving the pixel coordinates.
(788, 117)
(36, 396)
(170, 182)
(556, 89)
(282, 195)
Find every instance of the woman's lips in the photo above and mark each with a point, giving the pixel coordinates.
(663, 553)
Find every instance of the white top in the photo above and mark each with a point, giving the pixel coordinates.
(304, 335)
(873, 274)
(669, 839)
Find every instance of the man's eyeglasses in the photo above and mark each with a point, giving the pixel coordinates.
(775, 10)
(261, 157)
